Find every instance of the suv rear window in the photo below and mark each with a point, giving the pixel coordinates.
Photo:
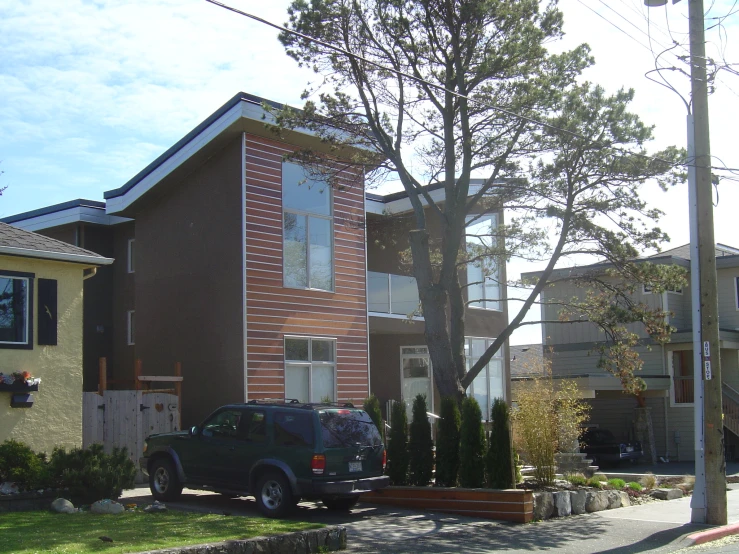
(341, 428)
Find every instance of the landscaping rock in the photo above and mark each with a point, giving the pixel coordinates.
(562, 506)
(667, 494)
(63, 506)
(9, 488)
(156, 507)
(596, 501)
(543, 505)
(577, 502)
(107, 506)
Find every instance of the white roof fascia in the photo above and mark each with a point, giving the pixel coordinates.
(56, 256)
(119, 203)
(403, 205)
(85, 214)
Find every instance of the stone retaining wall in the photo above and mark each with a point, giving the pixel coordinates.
(327, 539)
(565, 503)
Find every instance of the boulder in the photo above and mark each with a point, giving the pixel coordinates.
(107, 506)
(543, 505)
(596, 501)
(8, 488)
(577, 502)
(614, 499)
(562, 506)
(667, 494)
(63, 506)
(625, 500)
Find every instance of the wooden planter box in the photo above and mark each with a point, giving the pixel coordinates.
(17, 387)
(500, 504)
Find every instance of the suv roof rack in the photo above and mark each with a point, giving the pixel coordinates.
(297, 403)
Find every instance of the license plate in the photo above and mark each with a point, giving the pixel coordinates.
(629, 449)
(355, 466)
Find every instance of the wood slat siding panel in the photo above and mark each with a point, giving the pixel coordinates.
(274, 311)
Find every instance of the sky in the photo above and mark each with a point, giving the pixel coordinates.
(91, 91)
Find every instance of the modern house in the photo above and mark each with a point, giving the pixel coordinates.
(260, 280)
(41, 305)
(667, 370)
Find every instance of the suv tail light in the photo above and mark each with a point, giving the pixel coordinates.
(318, 464)
(384, 460)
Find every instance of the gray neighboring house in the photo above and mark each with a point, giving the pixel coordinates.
(668, 369)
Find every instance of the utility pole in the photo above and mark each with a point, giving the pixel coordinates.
(708, 505)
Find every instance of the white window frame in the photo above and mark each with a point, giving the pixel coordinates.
(498, 356)
(131, 267)
(311, 363)
(307, 215)
(429, 401)
(28, 343)
(474, 219)
(671, 367)
(736, 292)
(131, 327)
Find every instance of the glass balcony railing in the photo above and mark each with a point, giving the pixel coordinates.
(392, 294)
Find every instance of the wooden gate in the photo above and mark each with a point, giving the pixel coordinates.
(126, 418)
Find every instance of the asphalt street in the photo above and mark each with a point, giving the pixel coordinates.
(654, 527)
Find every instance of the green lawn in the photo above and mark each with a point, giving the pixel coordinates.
(132, 531)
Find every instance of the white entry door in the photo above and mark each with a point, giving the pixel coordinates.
(416, 376)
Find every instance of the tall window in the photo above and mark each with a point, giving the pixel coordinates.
(15, 310)
(682, 376)
(131, 251)
(307, 230)
(489, 383)
(310, 369)
(131, 327)
(483, 286)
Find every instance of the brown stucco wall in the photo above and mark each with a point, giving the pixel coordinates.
(189, 285)
(121, 363)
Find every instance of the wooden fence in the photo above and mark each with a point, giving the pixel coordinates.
(117, 418)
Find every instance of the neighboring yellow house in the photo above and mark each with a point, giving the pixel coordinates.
(41, 334)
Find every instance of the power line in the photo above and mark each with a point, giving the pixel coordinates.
(442, 88)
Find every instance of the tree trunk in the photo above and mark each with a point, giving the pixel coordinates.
(645, 433)
(433, 298)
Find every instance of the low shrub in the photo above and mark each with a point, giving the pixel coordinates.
(91, 474)
(600, 477)
(447, 443)
(648, 481)
(420, 446)
(616, 483)
(595, 483)
(22, 466)
(397, 448)
(688, 484)
(634, 486)
(576, 479)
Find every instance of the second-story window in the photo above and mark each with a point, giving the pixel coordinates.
(483, 280)
(307, 230)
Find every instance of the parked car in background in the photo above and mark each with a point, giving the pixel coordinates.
(603, 448)
(278, 452)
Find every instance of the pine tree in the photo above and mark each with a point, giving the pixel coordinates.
(421, 447)
(397, 450)
(447, 444)
(499, 459)
(372, 407)
(471, 446)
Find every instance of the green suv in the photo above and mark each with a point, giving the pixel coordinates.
(278, 452)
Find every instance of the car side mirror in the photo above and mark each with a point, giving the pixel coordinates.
(194, 431)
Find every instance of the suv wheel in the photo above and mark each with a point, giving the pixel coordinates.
(341, 503)
(163, 481)
(273, 495)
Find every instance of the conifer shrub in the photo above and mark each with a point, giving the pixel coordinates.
(634, 486)
(22, 466)
(595, 483)
(372, 407)
(447, 443)
(420, 446)
(471, 446)
(617, 484)
(576, 479)
(499, 471)
(91, 474)
(397, 449)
